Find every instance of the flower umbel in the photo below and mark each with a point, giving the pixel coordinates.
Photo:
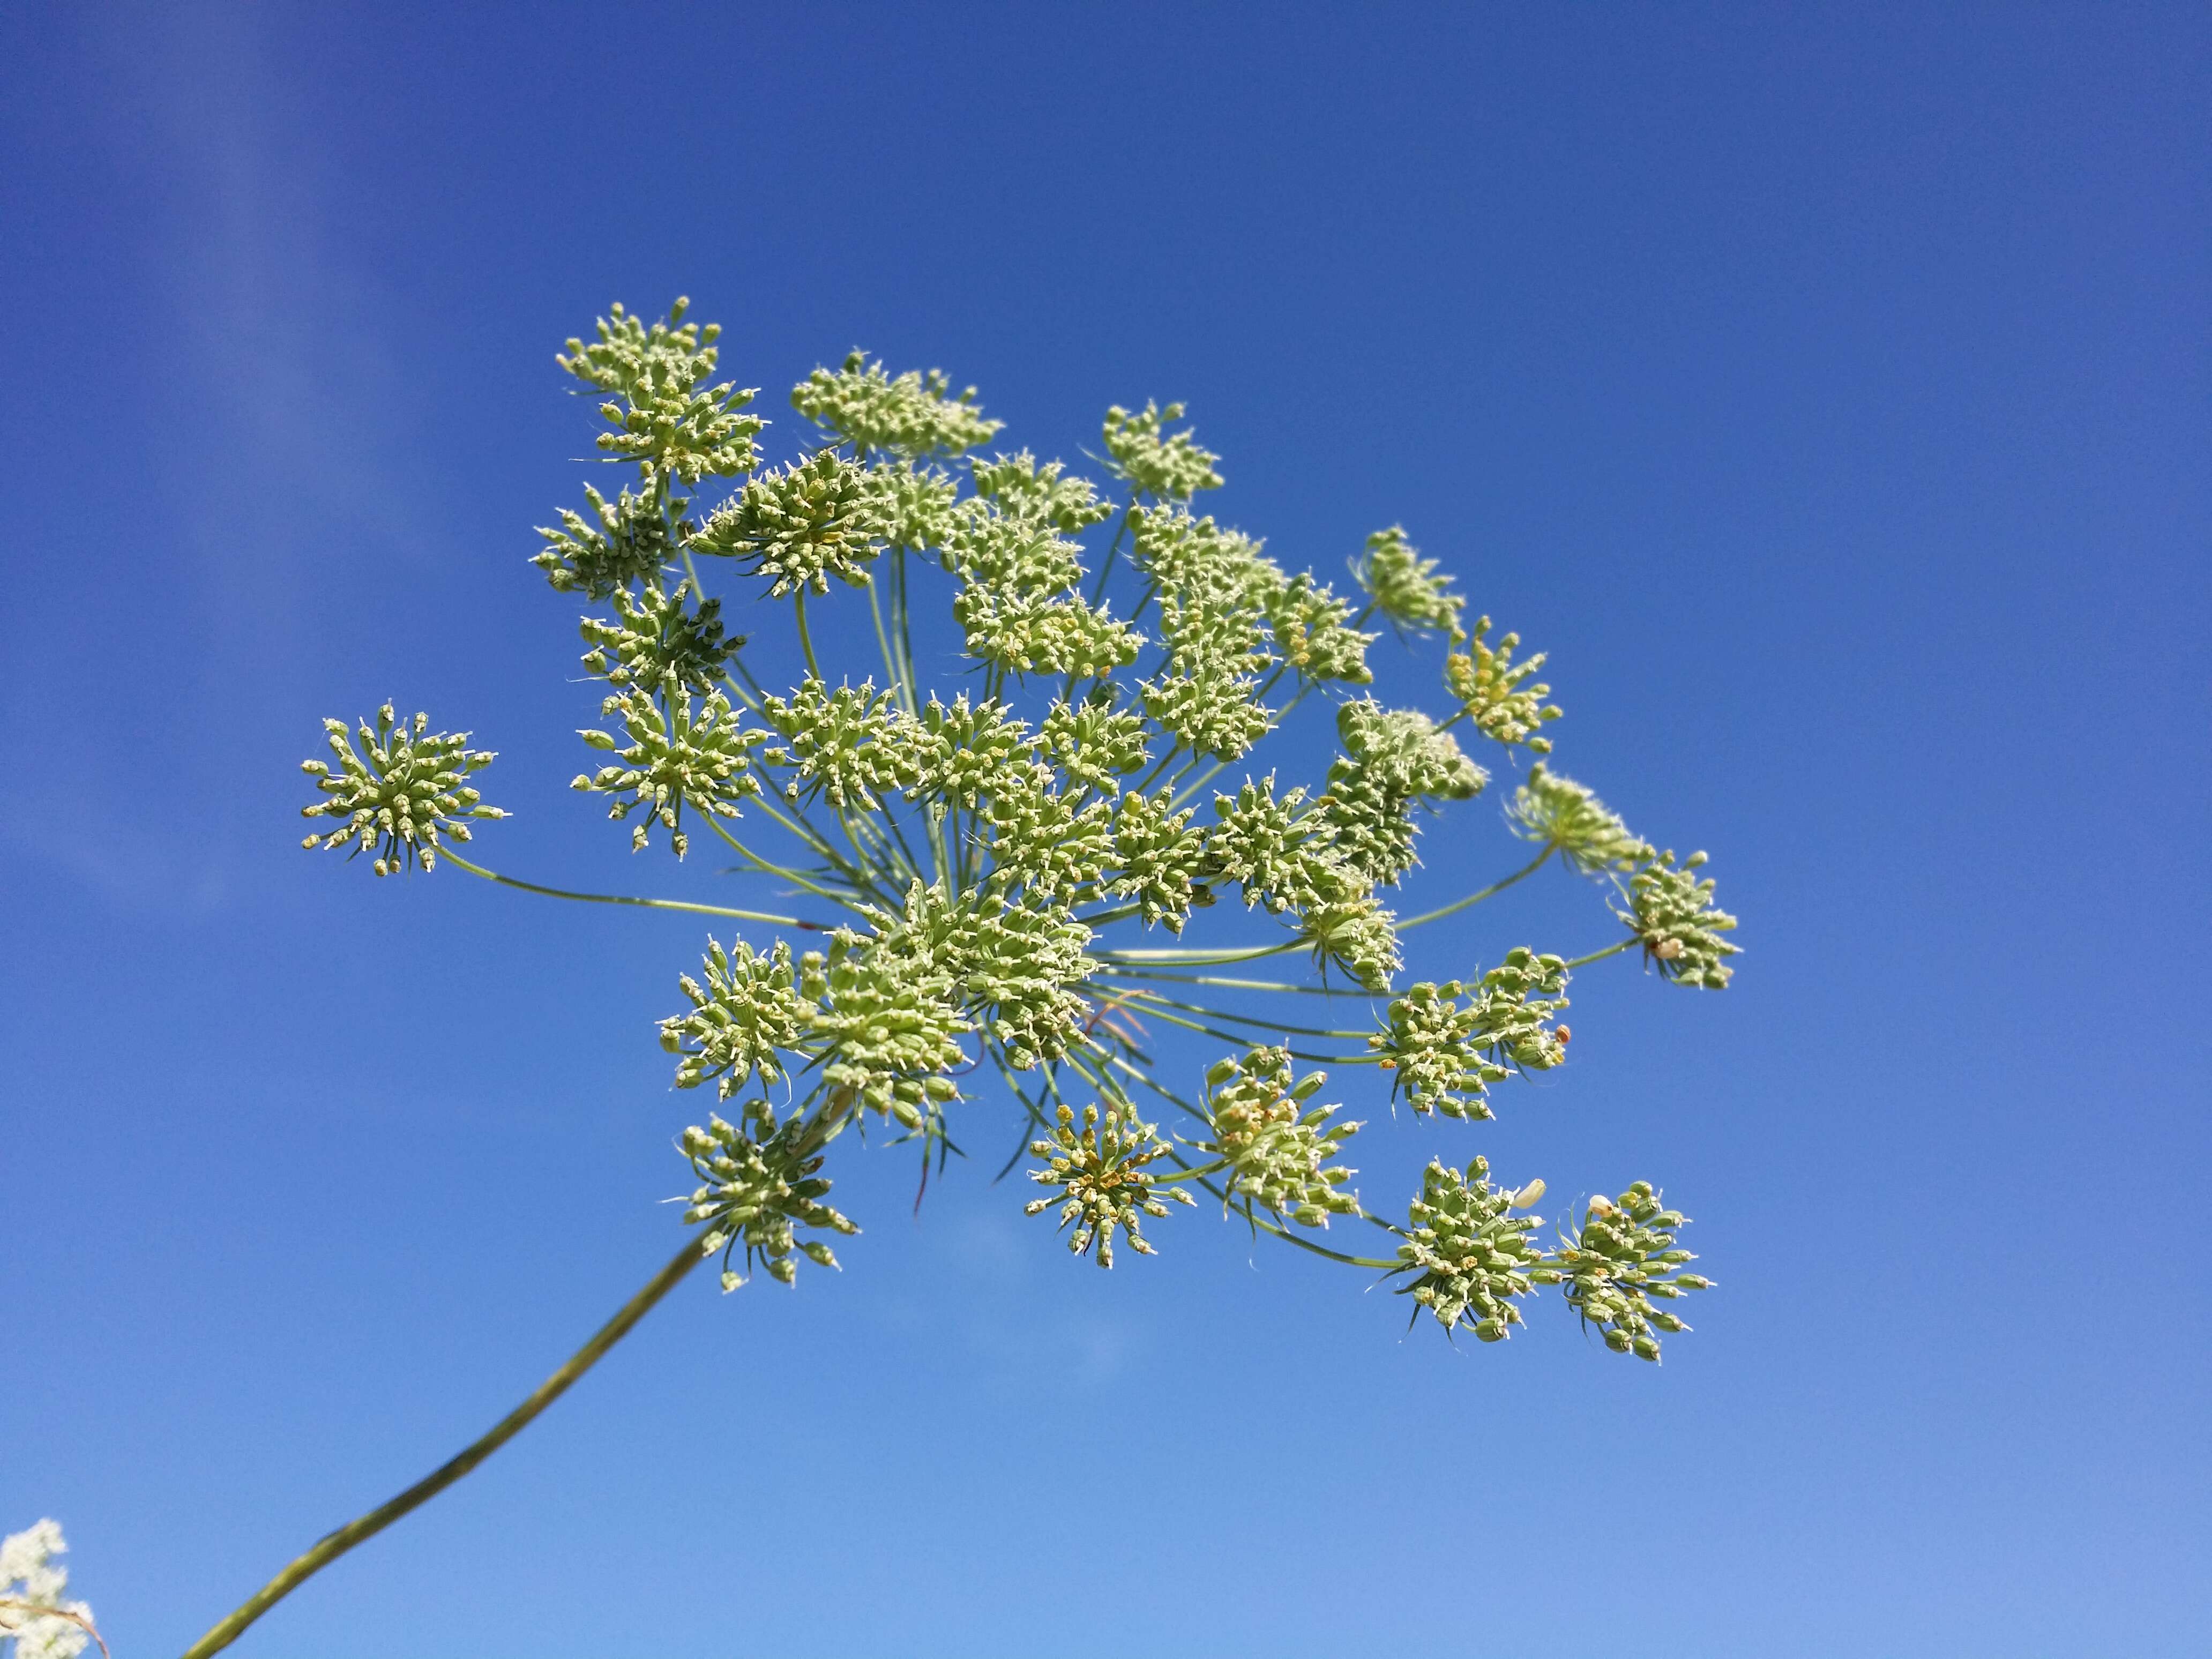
(742, 1020)
(404, 788)
(1679, 924)
(1168, 465)
(1405, 587)
(1560, 814)
(669, 757)
(982, 869)
(662, 419)
(801, 525)
(911, 415)
(1443, 1055)
(756, 1189)
(1100, 1171)
(1494, 692)
(659, 639)
(1469, 1256)
(1622, 1255)
(1274, 1143)
(626, 540)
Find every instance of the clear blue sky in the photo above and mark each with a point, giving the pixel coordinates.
(1824, 387)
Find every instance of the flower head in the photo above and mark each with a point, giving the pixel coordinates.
(889, 1024)
(798, 526)
(1313, 632)
(1025, 489)
(1357, 935)
(671, 757)
(1159, 858)
(842, 745)
(757, 1188)
(629, 540)
(1100, 1171)
(1046, 841)
(1278, 849)
(1392, 760)
(662, 417)
(1276, 1146)
(1468, 1255)
(742, 1020)
(1093, 743)
(401, 792)
(1168, 465)
(912, 415)
(1023, 634)
(1442, 1055)
(1494, 689)
(1558, 813)
(1622, 1256)
(659, 639)
(914, 505)
(32, 1610)
(1679, 924)
(1405, 587)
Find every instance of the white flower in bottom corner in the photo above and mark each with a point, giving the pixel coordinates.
(29, 1585)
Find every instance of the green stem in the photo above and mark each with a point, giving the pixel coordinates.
(1106, 565)
(1168, 978)
(1119, 912)
(797, 877)
(904, 618)
(1197, 959)
(648, 904)
(890, 659)
(805, 639)
(1457, 905)
(1152, 998)
(1627, 944)
(367, 1526)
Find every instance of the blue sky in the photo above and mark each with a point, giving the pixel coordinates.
(1825, 388)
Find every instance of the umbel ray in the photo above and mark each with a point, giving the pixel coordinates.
(997, 891)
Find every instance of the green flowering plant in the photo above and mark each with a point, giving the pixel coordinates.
(999, 887)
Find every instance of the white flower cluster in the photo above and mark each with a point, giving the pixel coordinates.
(33, 1611)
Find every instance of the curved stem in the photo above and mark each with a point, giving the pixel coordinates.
(618, 898)
(805, 639)
(1529, 869)
(41, 1610)
(367, 1526)
(797, 877)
